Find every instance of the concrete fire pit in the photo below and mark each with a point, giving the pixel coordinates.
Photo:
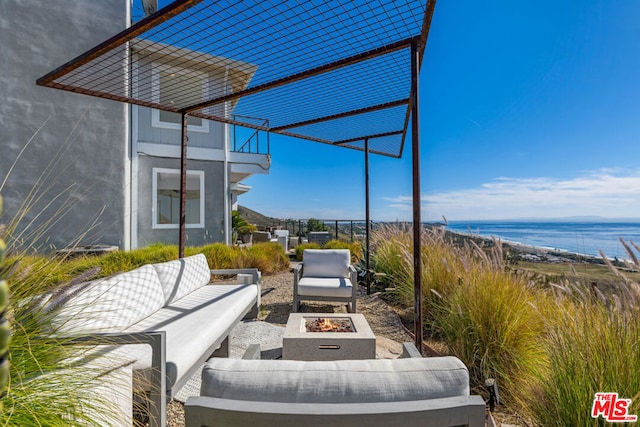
(352, 338)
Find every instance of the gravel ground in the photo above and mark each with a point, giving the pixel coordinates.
(277, 301)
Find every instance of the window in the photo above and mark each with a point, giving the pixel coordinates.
(193, 85)
(166, 198)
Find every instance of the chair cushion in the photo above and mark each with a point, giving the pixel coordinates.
(325, 287)
(182, 276)
(326, 262)
(341, 381)
(111, 304)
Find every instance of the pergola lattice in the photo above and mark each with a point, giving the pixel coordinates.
(335, 72)
(338, 72)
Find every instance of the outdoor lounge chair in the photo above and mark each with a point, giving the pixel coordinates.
(325, 275)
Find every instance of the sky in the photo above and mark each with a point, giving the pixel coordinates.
(527, 109)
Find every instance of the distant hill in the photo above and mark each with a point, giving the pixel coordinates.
(257, 218)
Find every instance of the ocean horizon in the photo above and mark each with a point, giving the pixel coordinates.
(586, 237)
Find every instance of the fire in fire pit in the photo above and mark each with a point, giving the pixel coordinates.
(326, 324)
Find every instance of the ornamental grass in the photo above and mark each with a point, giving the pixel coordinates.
(551, 346)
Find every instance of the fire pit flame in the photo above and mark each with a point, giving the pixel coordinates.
(327, 324)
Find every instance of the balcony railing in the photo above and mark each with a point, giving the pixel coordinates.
(248, 140)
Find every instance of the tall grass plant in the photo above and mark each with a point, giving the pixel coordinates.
(485, 316)
(551, 346)
(52, 382)
(591, 348)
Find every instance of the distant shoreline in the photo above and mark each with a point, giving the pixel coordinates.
(522, 252)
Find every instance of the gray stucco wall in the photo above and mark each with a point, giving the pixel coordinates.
(77, 162)
(148, 133)
(214, 138)
(213, 230)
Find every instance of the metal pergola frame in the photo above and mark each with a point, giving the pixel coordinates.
(105, 71)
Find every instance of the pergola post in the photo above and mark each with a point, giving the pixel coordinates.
(183, 183)
(367, 215)
(417, 220)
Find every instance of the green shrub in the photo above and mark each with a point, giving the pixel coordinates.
(240, 225)
(42, 272)
(354, 247)
(315, 225)
(219, 255)
(270, 256)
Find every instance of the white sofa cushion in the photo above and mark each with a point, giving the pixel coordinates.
(325, 287)
(326, 262)
(342, 381)
(182, 276)
(111, 304)
(192, 324)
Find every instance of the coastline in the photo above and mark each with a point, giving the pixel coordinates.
(516, 251)
(572, 239)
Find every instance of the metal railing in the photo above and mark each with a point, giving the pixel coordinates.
(253, 143)
(339, 229)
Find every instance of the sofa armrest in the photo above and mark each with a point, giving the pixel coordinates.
(252, 352)
(255, 273)
(410, 350)
(158, 342)
(297, 273)
(353, 276)
(256, 278)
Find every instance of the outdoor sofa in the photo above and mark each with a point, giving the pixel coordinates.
(411, 391)
(166, 318)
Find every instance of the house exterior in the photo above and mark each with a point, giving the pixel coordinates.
(104, 172)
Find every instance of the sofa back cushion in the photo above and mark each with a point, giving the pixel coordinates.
(326, 262)
(108, 305)
(183, 276)
(341, 381)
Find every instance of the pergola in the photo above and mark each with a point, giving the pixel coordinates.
(339, 72)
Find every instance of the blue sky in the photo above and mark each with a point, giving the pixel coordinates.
(528, 109)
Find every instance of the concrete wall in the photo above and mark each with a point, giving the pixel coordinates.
(77, 162)
(213, 230)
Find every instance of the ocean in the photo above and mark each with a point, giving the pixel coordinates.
(586, 238)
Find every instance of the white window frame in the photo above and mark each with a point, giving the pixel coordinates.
(155, 85)
(154, 197)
